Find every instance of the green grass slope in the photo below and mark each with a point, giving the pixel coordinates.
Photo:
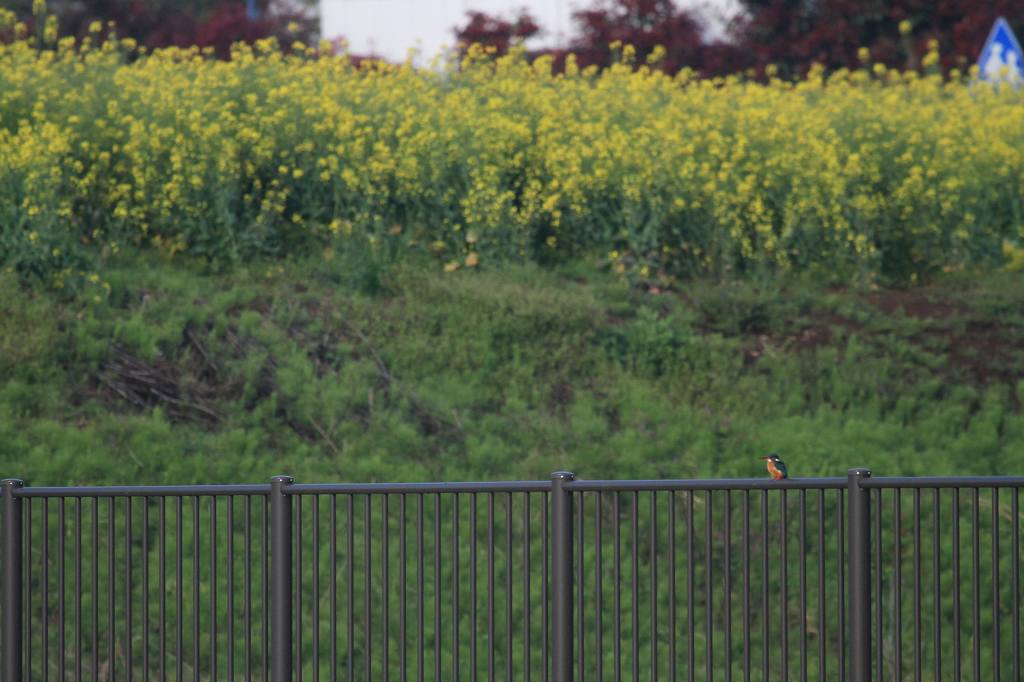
(347, 370)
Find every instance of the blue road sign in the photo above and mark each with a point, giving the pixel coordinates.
(1002, 58)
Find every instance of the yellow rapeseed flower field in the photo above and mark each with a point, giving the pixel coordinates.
(866, 173)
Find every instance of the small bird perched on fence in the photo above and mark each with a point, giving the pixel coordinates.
(776, 467)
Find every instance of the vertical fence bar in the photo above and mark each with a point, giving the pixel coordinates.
(350, 504)
(127, 588)
(421, 642)
(918, 654)
(62, 590)
(44, 616)
(709, 621)
(490, 588)
(179, 592)
(195, 587)
(599, 632)
(727, 645)
(316, 587)
(368, 589)
(936, 587)
(898, 584)
(859, 558)
(879, 632)
(297, 594)
(691, 650)
(746, 585)
(561, 577)
(248, 588)
(145, 586)
(96, 591)
(527, 650)
(784, 579)
(634, 604)
(975, 587)
(617, 586)
(672, 672)
(765, 622)
(995, 586)
(473, 620)
(956, 585)
(579, 595)
(822, 621)
(803, 586)
(403, 580)
(28, 595)
(333, 590)
(842, 585)
(78, 589)
(508, 587)
(265, 591)
(213, 587)
(544, 568)
(12, 617)
(437, 586)
(456, 586)
(654, 586)
(281, 579)
(1015, 564)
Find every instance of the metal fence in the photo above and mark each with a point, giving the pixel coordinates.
(834, 578)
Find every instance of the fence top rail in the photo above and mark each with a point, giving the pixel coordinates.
(144, 491)
(417, 488)
(577, 485)
(584, 485)
(943, 482)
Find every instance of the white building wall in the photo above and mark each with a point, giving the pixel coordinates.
(390, 28)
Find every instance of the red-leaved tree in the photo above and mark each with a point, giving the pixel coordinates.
(793, 34)
(790, 34)
(162, 23)
(643, 24)
(496, 32)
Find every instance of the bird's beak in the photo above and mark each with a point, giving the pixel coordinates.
(768, 457)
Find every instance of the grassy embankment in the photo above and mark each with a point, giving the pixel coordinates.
(355, 370)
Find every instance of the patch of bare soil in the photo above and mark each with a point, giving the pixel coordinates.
(915, 303)
(986, 351)
(818, 331)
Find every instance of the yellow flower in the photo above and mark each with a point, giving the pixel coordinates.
(905, 27)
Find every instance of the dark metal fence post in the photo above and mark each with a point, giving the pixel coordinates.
(281, 579)
(561, 577)
(12, 558)
(859, 570)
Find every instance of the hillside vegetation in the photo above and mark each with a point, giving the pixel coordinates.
(355, 370)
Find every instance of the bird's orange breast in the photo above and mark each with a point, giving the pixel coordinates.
(774, 471)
